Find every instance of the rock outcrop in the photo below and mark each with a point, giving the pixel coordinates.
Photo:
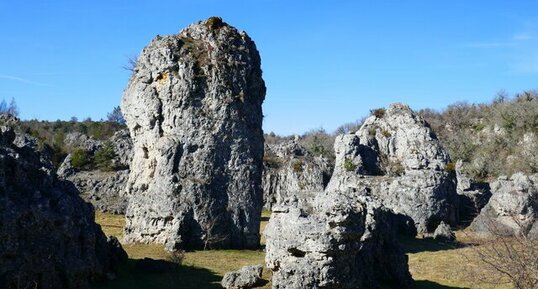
(444, 233)
(399, 158)
(473, 195)
(105, 189)
(512, 208)
(48, 236)
(338, 240)
(193, 107)
(245, 278)
(288, 168)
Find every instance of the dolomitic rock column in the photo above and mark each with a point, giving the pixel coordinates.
(193, 108)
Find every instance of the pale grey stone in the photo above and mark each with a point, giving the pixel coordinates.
(246, 277)
(193, 109)
(290, 169)
(338, 240)
(512, 208)
(398, 157)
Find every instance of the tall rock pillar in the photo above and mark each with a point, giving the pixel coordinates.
(194, 110)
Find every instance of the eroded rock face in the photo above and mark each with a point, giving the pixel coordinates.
(48, 237)
(193, 107)
(512, 208)
(398, 157)
(473, 195)
(105, 189)
(290, 169)
(339, 240)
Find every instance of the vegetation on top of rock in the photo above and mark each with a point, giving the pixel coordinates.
(104, 156)
(214, 23)
(80, 159)
(378, 112)
(51, 134)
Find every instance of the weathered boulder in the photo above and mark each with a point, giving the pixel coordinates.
(399, 158)
(246, 277)
(105, 189)
(473, 195)
(512, 208)
(80, 140)
(339, 240)
(193, 107)
(288, 168)
(444, 233)
(48, 236)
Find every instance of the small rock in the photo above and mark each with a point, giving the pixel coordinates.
(246, 277)
(444, 233)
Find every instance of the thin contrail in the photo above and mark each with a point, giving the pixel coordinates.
(9, 77)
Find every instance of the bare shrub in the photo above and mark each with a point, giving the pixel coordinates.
(211, 238)
(176, 257)
(509, 258)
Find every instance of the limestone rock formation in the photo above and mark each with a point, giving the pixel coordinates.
(290, 169)
(338, 240)
(245, 278)
(444, 233)
(105, 189)
(399, 158)
(193, 108)
(48, 236)
(473, 195)
(512, 208)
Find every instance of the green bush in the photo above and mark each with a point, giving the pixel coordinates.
(349, 166)
(80, 159)
(104, 157)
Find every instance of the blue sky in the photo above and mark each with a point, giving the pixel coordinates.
(325, 62)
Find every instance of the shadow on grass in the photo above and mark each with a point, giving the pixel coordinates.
(425, 284)
(414, 245)
(131, 276)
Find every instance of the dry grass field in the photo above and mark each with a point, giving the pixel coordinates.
(433, 265)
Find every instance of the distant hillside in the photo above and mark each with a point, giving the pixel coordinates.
(494, 139)
(51, 135)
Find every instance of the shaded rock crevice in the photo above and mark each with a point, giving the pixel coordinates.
(48, 236)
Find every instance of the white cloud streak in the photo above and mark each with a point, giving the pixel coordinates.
(27, 81)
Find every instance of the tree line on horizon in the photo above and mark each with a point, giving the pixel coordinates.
(492, 139)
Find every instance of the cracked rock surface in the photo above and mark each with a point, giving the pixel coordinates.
(193, 108)
(396, 155)
(290, 170)
(337, 240)
(512, 208)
